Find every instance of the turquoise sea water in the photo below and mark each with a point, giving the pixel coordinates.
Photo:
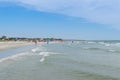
(81, 60)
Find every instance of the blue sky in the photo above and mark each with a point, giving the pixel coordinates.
(32, 18)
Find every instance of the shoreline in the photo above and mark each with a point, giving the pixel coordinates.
(6, 45)
(11, 45)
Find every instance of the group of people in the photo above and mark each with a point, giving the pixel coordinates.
(36, 41)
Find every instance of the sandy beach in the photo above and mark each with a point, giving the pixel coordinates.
(10, 44)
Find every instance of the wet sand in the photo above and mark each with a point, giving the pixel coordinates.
(9, 45)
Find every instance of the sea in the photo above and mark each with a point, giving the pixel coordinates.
(69, 60)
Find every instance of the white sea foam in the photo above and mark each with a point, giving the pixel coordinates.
(38, 49)
(113, 44)
(91, 42)
(105, 44)
(42, 59)
(44, 55)
(111, 50)
(35, 49)
(13, 57)
(110, 44)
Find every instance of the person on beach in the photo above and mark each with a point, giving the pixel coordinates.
(72, 41)
(35, 41)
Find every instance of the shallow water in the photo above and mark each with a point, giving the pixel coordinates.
(81, 60)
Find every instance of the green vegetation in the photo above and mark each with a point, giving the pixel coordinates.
(5, 38)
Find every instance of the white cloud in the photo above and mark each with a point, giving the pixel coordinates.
(99, 11)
